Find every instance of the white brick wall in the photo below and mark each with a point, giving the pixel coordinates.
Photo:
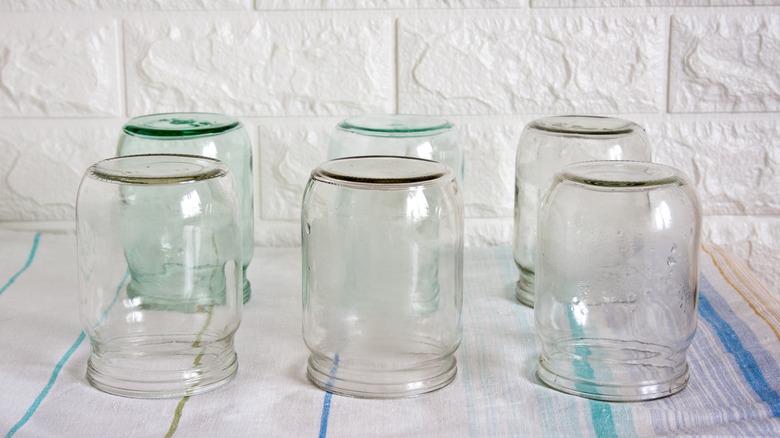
(540, 64)
(703, 77)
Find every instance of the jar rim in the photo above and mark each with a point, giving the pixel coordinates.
(180, 125)
(157, 169)
(621, 175)
(382, 172)
(585, 125)
(395, 125)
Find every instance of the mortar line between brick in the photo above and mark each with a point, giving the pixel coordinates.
(120, 41)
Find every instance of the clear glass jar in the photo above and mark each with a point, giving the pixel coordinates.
(617, 280)
(548, 144)
(208, 135)
(383, 276)
(159, 254)
(404, 135)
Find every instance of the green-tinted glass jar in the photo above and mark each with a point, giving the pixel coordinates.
(210, 135)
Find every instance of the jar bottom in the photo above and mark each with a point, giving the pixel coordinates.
(156, 366)
(612, 390)
(333, 376)
(524, 289)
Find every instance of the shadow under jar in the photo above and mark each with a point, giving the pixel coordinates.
(548, 144)
(209, 135)
(382, 276)
(159, 254)
(617, 280)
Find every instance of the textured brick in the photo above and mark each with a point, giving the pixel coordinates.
(288, 154)
(43, 164)
(385, 4)
(753, 239)
(725, 63)
(489, 170)
(132, 5)
(531, 65)
(250, 67)
(735, 165)
(58, 68)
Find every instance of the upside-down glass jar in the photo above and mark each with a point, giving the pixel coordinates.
(382, 276)
(159, 255)
(547, 145)
(208, 135)
(617, 280)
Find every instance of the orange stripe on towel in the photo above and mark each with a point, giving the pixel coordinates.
(745, 283)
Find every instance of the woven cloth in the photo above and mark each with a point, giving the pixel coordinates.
(733, 391)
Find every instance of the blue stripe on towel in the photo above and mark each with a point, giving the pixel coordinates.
(600, 412)
(325, 414)
(57, 368)
(27, 264)
(326, 401)
(603, 421)
(46, 388)
(742, 357)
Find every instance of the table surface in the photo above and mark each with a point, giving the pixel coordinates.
(733, 391)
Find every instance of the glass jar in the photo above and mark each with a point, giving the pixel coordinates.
(617, 280)
(159, 255)
(208, 135)
(383, 275)
(548, 144)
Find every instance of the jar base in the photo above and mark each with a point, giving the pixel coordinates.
(611, 391)
(524, 289)
(161, 367)
(332, 376)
